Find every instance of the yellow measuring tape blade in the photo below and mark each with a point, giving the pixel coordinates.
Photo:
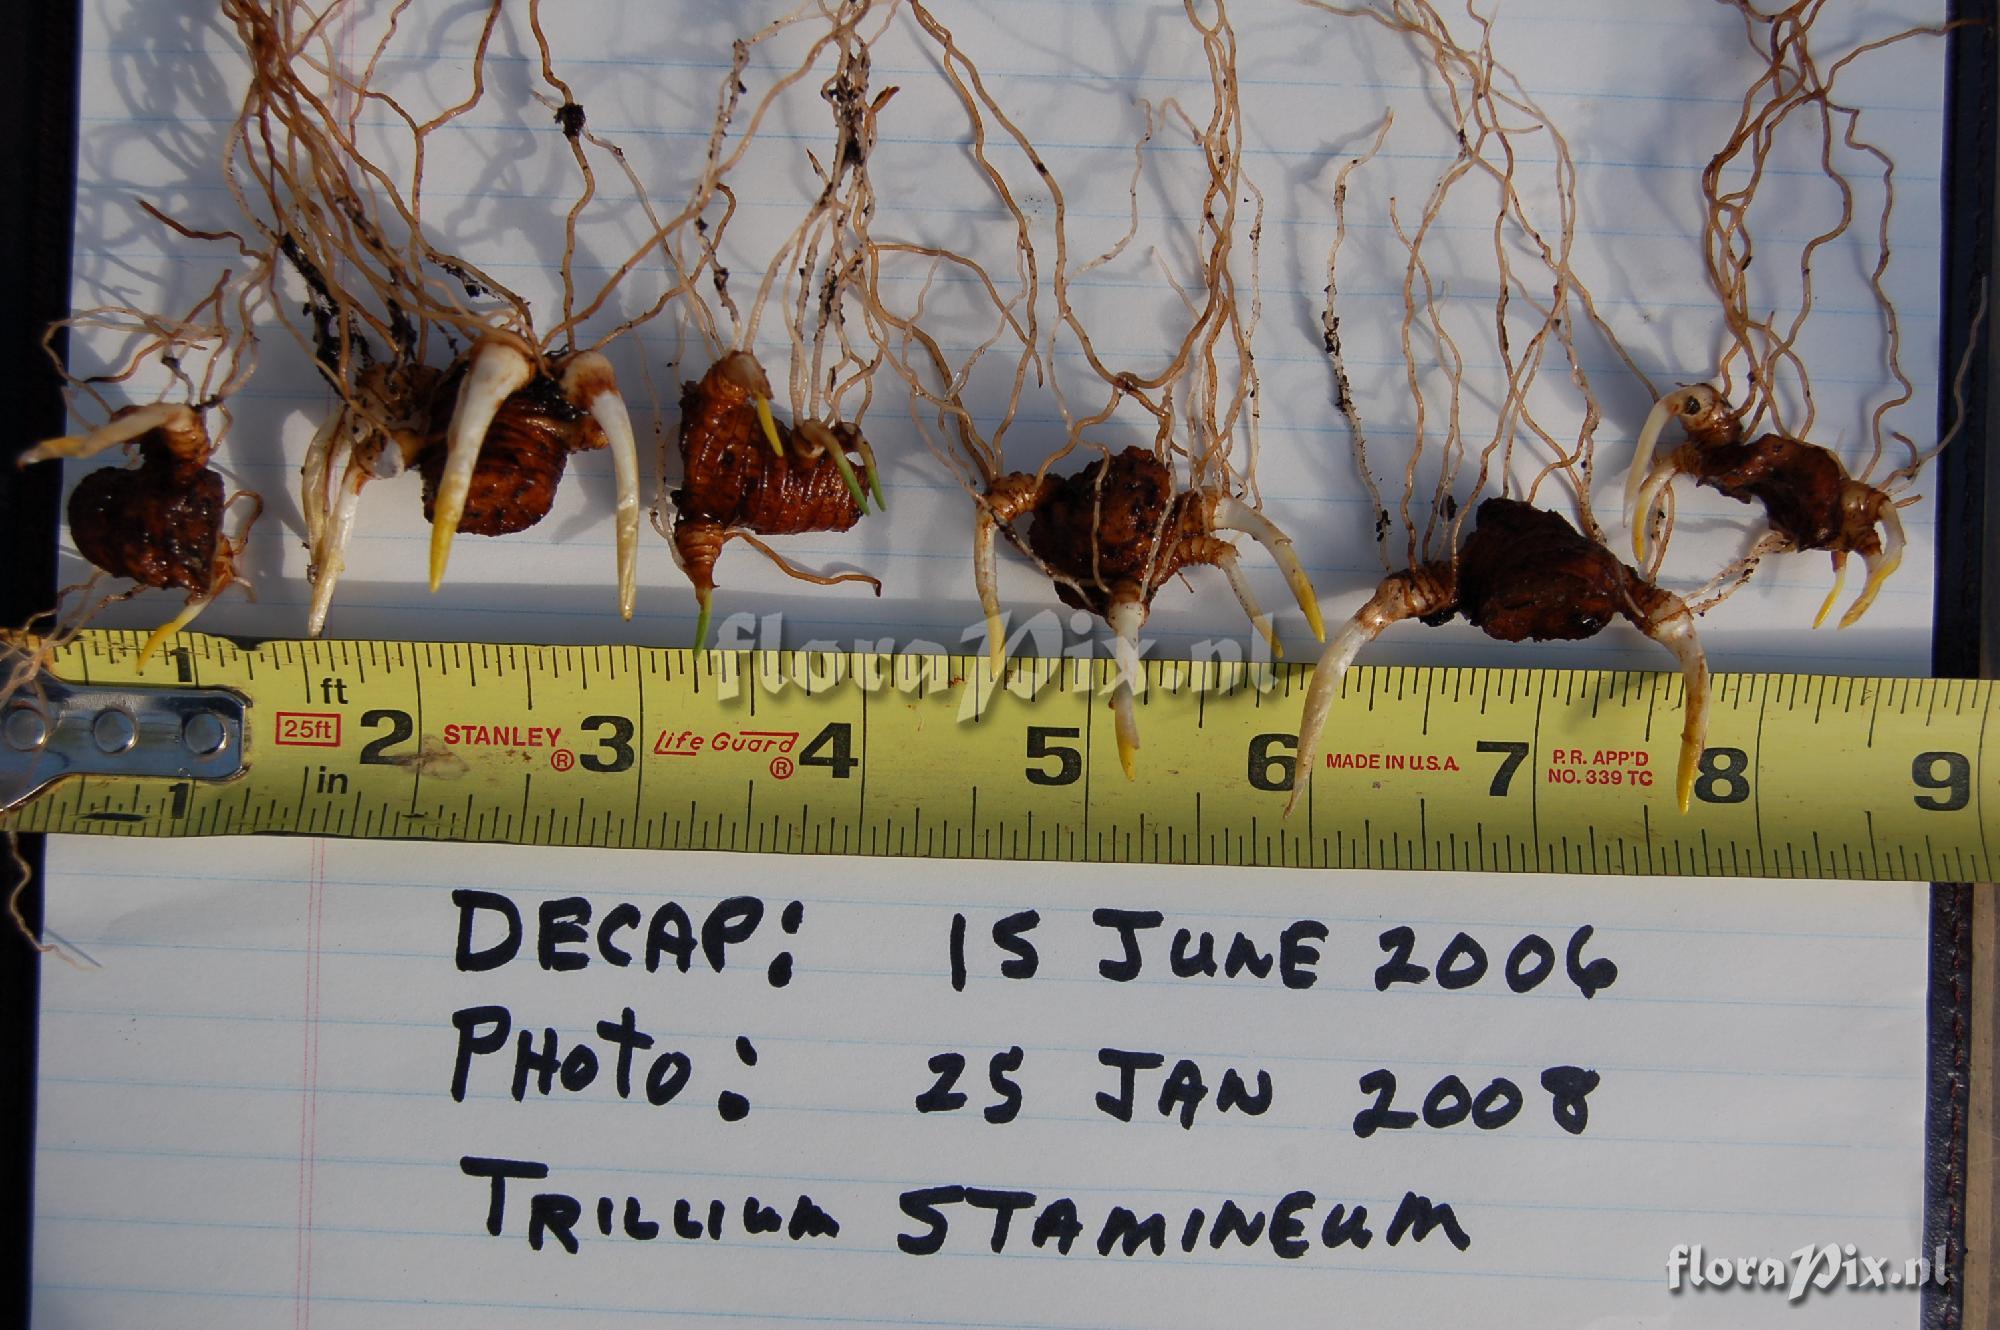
(795, 752)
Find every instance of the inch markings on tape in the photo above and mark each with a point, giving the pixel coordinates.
(855, 753)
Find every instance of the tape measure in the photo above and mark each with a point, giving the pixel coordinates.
(856, 753)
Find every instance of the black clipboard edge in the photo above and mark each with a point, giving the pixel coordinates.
(1968, 594)
(38, 103)
(1947, 1188)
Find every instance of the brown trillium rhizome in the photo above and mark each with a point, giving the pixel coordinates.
(1809, 500)
(747, 474)
(1110, 536)
(159, 522)
(491, 437)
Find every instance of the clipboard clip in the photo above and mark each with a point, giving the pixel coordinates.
(52, 728)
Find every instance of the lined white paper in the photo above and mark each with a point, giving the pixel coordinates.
(246, 1110)
(1643, 113)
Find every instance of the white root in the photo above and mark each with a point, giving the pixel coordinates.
(1126, 617)
(183, 427)
(1232, 514)
(1641, 471)
(1334, 663)
(330, 557)
(1232, 568)
(1648, 494)
(1674, 630)
(316, 477)
(986, 578)
(331, 454)
(1397, 599)
(1880, 566)
(501, 365)
(588, 381)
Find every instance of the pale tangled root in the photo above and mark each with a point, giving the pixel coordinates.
(18, 911)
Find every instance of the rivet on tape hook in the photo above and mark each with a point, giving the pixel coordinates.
(52, 728)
